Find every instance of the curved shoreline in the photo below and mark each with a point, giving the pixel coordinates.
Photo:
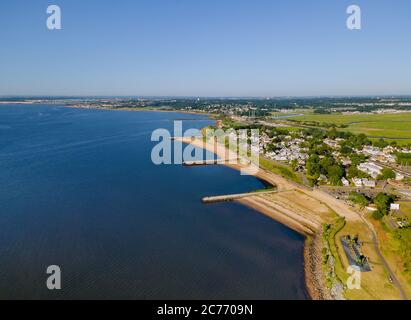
(314, 278)
(313, 273)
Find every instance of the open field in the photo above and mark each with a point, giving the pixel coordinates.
(395, 127)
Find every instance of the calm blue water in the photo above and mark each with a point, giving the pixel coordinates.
(78, 189)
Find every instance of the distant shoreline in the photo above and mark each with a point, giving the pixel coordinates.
(141, 110)
(109, 109)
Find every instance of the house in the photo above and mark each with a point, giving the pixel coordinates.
(371, 151)
(399, 176)
(371, 208)
(331, 143)
(368, 183)
(357, 182)
(345, 182)
(395, 206)
(370, 168)
(346, 162)
(389, 149)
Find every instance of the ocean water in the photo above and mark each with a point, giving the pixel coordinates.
(78, 189)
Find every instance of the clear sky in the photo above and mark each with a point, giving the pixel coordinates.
(205, 48)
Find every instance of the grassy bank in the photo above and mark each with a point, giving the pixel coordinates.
(332, 265)
(280, 169)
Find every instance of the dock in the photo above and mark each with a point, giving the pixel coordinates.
(209, 162)
(232, 197)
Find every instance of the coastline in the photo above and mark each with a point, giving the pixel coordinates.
(141, 110)
(312, 251)
(309, 229)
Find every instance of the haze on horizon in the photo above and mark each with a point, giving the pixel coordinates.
(230, 48)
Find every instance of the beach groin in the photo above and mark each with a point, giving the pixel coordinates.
(232, 197)
(208, 162)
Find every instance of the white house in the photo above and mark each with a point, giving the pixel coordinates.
(371, 208)
(395, 206)
(357, 182)
(369, 150)
(368, 183)
(345, 182)
(399, 176)
(370, 168)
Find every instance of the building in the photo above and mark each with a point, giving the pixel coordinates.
(357, 182)
(345, 182)
(399, 176)
(395, 206)
(368, 183)
(371, 208)
(346, 162)
(370, 168)
(371, 151)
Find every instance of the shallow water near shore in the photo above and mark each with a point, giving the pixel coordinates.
(79, 190)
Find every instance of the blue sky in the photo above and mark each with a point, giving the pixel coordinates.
(205, 48)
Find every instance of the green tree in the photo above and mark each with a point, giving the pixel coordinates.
(294, 164)
(359, 199)
(353, 172)
(335, 174)
(386, 174)
(378, 215)
(383, 202)
(381, 143)
(404, 158)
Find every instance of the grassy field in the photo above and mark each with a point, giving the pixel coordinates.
(389, 126)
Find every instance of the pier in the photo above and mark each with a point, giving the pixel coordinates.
(209, 162)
